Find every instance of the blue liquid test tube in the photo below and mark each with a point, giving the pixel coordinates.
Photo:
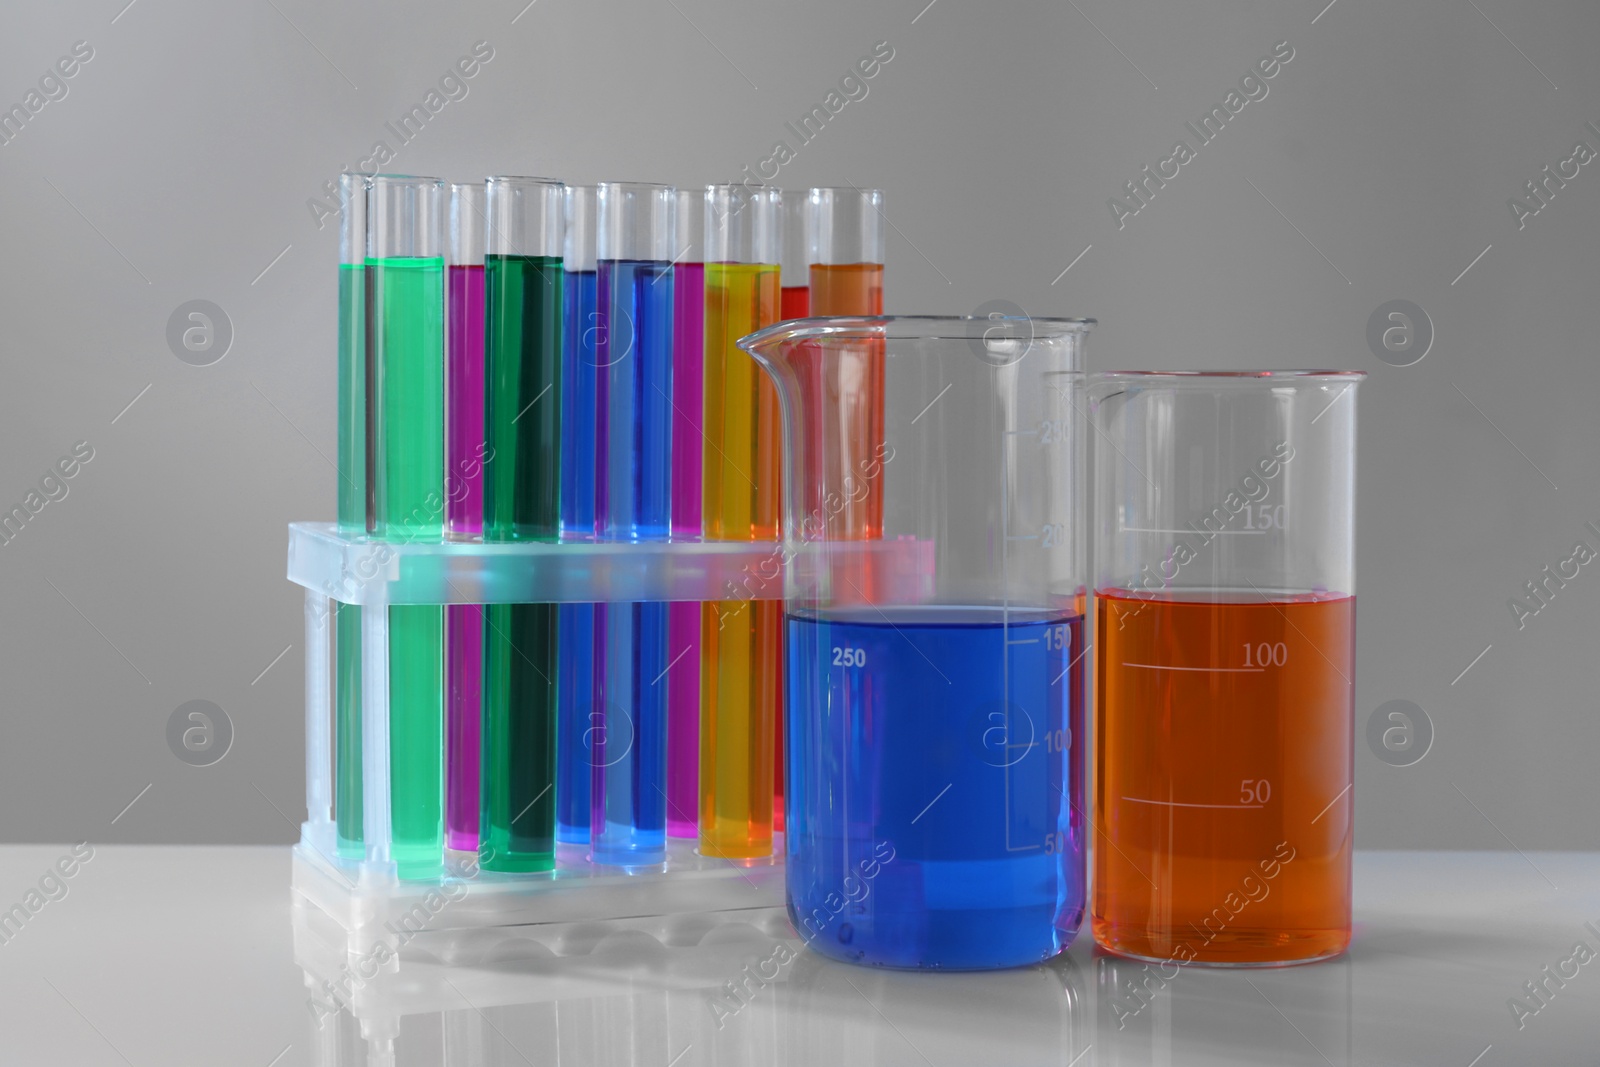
(628, 746)
(575, 697)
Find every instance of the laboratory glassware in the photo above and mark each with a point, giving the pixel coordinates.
(741, 641)
(1224, 583)
(464, 447)
(352, 509)
(794, 298)
(580, 442)
(523, 282)
(844, 249)
(843, 240)
(683, 617)
(406, 457)
(633, 352)
(935, 668)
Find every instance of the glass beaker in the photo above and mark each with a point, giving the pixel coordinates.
(935, 667)
(1225, 661)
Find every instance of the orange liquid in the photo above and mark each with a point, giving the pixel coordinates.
(741, 664)
(844, 432)
(1223, 766)
(847, 289)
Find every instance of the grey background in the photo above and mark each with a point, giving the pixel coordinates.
(179, 165)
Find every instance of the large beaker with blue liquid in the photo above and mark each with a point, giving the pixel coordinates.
(934, 672)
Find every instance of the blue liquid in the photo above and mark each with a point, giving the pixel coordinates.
(634, 351)
(931, 755)
(634, 482)
(579, 442)
(629, 743)
(575, 684)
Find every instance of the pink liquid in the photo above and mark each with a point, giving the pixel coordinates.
(683, 619)
(464, 446)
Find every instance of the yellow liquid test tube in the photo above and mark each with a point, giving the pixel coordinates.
(741, 641)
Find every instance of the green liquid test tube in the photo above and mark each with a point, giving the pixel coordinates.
(405, 346)
(352, 511)
(523, 283)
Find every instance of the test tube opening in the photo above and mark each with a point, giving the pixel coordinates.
(845, 225)
(526, 216)
(742, 225)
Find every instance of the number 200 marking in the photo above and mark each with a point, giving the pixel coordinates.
(849, 657)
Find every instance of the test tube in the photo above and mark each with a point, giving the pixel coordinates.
(579, 449)
(844, 238)
(464, 505)
(683, 617)
(352, 511)
(741, 641)
(523, 283)
(1225, 647)
(794, 301)
(405, 353)
(634, 352)
(844, 233)
(794, 275)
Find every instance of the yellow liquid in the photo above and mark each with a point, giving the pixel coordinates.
(741, 648)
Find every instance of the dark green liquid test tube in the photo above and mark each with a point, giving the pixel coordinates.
(523, 284)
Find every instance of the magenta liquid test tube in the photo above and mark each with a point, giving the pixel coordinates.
(464, 448)
(683, 618)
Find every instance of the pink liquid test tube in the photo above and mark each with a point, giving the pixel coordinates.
(464, 447)
(683, 617)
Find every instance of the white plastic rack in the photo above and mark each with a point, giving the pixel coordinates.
(365, 897)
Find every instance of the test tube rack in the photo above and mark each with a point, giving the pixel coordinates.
(365, 897)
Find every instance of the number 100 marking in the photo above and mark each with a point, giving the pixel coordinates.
(1266, 655)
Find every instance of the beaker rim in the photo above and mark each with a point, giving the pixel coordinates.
(913, 327)
(1225, 375)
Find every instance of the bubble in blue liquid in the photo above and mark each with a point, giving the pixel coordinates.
(846, 934)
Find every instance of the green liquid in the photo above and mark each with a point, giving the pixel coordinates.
(517, 825)
(522, 398)
(521, 502)
(352, 517)
(347, 806)
(405, 333)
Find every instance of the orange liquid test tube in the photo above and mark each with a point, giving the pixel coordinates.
(741, 641)
(842, 239)
(844, 232)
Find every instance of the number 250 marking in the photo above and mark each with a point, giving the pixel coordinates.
(849, 657)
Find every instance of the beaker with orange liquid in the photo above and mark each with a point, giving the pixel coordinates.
(1225, 665)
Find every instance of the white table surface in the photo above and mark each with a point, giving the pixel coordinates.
(171, 956)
